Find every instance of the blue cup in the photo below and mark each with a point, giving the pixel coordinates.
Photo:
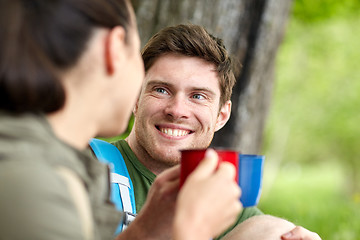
(250, 178)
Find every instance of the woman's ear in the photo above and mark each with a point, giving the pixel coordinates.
(224, 115)
(136, 107)
(114, 48)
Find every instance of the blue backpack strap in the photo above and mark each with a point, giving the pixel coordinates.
(122, 190)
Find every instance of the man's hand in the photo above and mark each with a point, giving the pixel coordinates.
(267, 227)
(300, 233)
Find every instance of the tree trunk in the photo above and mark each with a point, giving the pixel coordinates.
(252, 31)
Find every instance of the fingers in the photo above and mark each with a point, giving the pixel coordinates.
(208, 165)
(211, 168)
(167, 183)
(300, 233)
(170, 174)
(227, 170)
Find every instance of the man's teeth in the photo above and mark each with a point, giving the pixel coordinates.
(174, 132)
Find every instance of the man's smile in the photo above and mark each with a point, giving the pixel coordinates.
(173, 132)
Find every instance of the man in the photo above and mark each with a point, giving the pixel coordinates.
(185, 99)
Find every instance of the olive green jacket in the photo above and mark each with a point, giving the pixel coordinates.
(48, 189)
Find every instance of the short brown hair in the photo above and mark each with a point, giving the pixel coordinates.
(39, 39)
(193, 41)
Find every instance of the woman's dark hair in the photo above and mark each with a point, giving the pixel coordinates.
(41, 38)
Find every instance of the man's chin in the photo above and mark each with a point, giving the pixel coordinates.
(171, 158)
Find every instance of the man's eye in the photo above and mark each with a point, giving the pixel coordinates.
(198, 96)
(161, 90)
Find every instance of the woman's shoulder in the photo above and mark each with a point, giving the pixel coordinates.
(36, 199)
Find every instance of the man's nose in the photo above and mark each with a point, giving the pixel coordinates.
(177, 107)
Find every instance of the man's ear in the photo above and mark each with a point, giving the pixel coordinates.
(223, 116)
(114, 48)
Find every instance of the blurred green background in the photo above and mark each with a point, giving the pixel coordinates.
(312, 139)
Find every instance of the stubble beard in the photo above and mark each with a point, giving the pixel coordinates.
(160, 156)
(163, 157)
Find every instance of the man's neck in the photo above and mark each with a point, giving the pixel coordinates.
(154, 165)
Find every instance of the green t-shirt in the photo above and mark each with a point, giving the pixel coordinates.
(142, 178)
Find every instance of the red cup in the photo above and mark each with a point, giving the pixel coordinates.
(190, 159)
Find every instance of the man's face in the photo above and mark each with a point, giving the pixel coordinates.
(178, 107)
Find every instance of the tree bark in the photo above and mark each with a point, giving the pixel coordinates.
(252, 30)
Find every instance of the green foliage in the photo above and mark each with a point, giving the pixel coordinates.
(309, 11)
(313, 130)
(314, 197)
(316, 99)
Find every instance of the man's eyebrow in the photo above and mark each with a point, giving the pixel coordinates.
(157, 82)
(204, 89)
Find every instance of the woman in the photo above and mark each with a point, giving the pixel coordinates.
(71, 70)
